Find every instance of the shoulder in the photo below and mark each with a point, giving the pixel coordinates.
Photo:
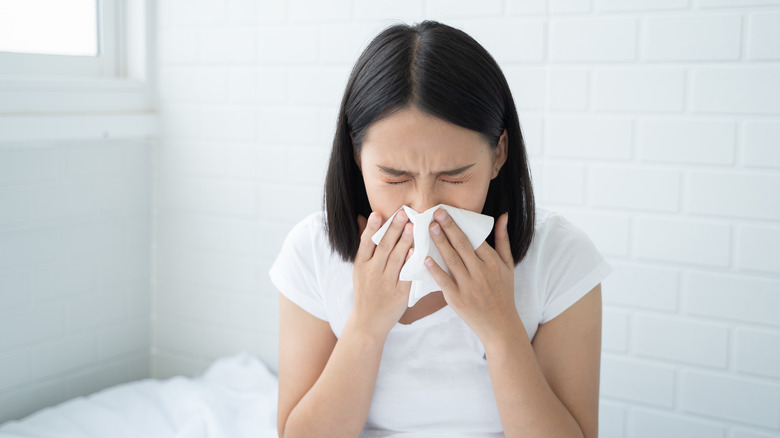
(301, 265)
(564, 263)
(554, 232)
(311, 232)
(305, 247)
(313, 224)
(561, 251)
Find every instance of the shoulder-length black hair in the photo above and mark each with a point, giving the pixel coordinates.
(446, 73)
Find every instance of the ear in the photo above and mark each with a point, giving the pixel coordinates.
(500, 153)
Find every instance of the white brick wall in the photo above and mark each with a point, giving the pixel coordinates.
(758, 352)
(521, 41)
(698, 242)
(757, 249)
(736, 89)
(686, 141)
(763, 42)
(645, 423)
(610, 231)
(745, 192)
(703, 393)
(645, 89)
(651, 124)
(639, 5)
(588, 137)
(680, 340)
(692, 38)
(593, 40)
(760, 144)
(740, 297)
(634, 187)
(74, 269)
(567, 88)
(639, 381)
(641, 286)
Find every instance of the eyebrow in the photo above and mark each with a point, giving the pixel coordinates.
(395, 172)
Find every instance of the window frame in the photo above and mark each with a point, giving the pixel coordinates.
(103, 65)
(120, 80)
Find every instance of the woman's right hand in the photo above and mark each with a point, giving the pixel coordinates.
(380, 298)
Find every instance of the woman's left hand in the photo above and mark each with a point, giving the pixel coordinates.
(480, 286)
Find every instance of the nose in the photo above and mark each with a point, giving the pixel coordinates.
(422, 199)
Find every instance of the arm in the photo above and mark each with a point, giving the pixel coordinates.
(548, 388)
(325, 384)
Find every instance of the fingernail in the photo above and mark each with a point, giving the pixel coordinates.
(440, 215)
(401, 217)
(373, 218)
(428, 261)
(436, 229)
(408, 229)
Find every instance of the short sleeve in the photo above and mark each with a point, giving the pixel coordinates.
(570, 266)
(294, 272)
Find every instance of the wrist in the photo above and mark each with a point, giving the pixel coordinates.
(505, 336)
(365, 330)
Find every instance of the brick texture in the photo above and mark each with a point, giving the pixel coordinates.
(652, 125)
(74, 269)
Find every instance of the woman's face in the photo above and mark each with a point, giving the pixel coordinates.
(416, 159)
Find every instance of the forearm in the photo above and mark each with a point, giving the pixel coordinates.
(337, 405)
(527, 405)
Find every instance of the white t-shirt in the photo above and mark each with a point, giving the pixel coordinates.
(433, 376)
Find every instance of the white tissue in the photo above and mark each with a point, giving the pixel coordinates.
(476, 227)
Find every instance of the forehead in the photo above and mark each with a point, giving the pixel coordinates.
(411, 130)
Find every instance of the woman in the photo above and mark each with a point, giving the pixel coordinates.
(511, 344)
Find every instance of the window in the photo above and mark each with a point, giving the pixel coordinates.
(67, 27)
(73, 55)
(59, 38)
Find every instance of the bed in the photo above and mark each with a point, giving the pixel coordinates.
(234, 398)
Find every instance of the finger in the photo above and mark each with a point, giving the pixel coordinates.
(367, 247)
(457, 237)
(501, 236)
(442, 278)
(400, 253)
(392, 235)
(450, 256)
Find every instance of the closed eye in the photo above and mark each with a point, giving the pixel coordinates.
(395, 183)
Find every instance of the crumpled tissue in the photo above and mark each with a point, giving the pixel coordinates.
(476, 226)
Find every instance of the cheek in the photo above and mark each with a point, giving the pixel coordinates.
(469, 196)
(384, 199)
(466, 197)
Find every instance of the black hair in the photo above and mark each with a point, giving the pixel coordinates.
(443, 72)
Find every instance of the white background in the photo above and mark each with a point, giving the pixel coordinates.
(652, 124)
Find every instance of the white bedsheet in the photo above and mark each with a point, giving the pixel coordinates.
(234, 398)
